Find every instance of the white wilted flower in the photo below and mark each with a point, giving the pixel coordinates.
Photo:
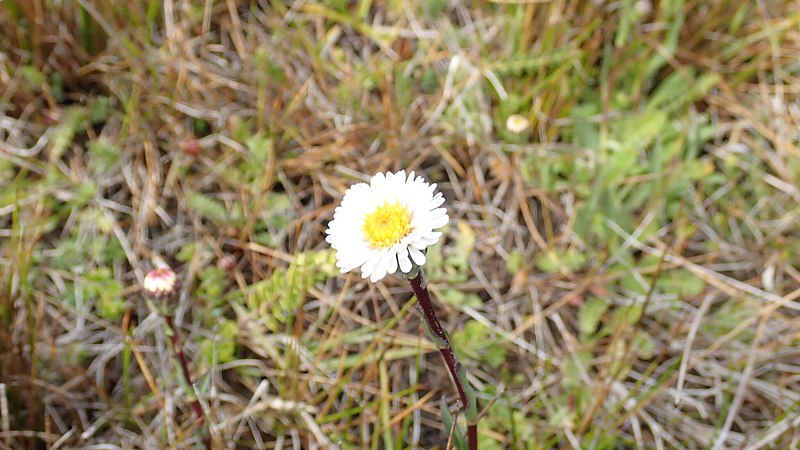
(517, 123)
(386, 224)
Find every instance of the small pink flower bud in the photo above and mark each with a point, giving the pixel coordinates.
(160, 283)
(191, 147)
(227, 263)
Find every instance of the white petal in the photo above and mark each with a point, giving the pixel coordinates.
(405, 263)
(440, 221)
(418, 245)
(380, 269)
(377, 181)
(392, 264)
(417, 256)
(369, 266)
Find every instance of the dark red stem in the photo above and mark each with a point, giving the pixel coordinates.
(187, 377)
(472, 436)
(424, 301)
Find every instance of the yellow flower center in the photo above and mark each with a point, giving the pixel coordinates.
(386, 225)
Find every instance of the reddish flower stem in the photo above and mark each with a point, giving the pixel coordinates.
(187, 377)
(424, 301)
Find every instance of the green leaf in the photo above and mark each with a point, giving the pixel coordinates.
(464, 244)
(590, 314)
(186, 252)
(103, 154)
(430, 81)
(477, 342)
(548, 261)
(100, 284)
(449, 423)
(585, 133)
(33, 77)
(459, 298)
(515, 262)
(207, 207)
(572, 367)
(729, 315)
(71, 122)
(100, 109)
(625, 22)
(212, 285)
(644, 345)
(681, 282)
(556, 260)
(260, 147)
(223, 343)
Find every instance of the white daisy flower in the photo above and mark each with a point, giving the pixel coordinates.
(386, 224)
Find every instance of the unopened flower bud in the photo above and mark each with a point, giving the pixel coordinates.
(191, 147)
(227, 263)
(160, 283)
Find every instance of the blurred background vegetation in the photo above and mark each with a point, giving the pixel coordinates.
(621, 274)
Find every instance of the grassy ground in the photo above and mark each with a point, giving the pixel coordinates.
(623, 274)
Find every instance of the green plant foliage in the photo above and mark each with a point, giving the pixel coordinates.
(451, 263)
(644, 345)
(504, 418)
(100, 109)
(459, 298)
(532, 63)
(558, 260)
(680, 282)
(260, 146)
(76, 254)
(659, 142)
(201, 127)
(463, 246)
(430, 81)
(621, 316)
(222, 347)
(208, 208)
(577, 395)
(590, 315)
(434, 8)
(275, 299)
(211, 287)
(478, 343)
(515, 262)
(186, 253)
(277, 213)
(72, 121)
(102, 155)
(100, 285)
(728, 316)
(35, 79)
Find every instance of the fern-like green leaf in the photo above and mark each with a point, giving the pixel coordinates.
(208, 208)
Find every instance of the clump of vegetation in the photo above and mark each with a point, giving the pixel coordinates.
(620, 269)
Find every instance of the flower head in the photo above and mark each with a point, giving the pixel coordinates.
(160, 283)
(386, 224)
(517, 123)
